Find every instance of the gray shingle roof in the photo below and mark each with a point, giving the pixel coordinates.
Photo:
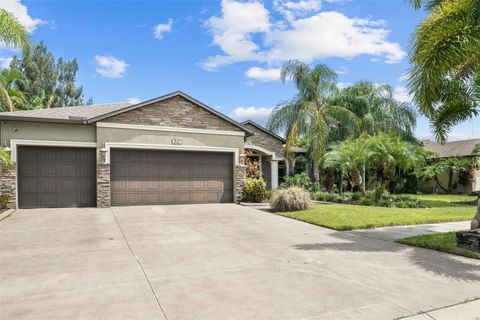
(65, 114)
(451, 149)
(94, 113)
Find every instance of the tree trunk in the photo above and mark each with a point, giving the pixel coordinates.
(450, 181)
(340, 187)
(362, 186)
(7, 98)
(439, 184)
(316, 173)
(476, 220)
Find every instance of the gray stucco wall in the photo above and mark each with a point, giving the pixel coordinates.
(46, 131)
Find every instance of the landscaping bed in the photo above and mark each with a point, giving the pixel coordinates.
(444, 242)
(349, 217)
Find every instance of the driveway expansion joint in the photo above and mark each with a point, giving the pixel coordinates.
(140, 264)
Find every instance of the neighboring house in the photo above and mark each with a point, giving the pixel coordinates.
(168, 150)
(454, 149)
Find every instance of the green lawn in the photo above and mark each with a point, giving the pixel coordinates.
(444, 242)
(349, 217)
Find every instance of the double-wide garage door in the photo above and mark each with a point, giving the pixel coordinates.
(54, 177)
(147, 177)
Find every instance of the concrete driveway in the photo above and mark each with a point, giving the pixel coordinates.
(213, 262)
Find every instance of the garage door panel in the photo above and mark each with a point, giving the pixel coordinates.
(169, 177)
(56, 177)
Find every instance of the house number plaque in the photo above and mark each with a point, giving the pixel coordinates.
(177, 141)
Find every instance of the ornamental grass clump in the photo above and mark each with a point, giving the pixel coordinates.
(291, 199)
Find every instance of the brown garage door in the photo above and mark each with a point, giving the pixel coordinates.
(55, 177)
(145, 177)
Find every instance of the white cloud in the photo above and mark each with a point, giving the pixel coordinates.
(299, 8)
(342, 85)
(245, 32)
(20, 11)
(252, 113)
(134, 100)
(161, 29)
(5, 62)
(400, 93)
(110, 67)
(263, 75)
(232, 32)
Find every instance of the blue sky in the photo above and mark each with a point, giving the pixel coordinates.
(226, 54)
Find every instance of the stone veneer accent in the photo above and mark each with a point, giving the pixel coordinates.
(264, 140)
(174, 112)
(103, 185)
(240, 177)
(8, 185)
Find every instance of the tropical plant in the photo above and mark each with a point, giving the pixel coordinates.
(291, 199)
(12, 33)
(312, 112)
(450, 166)
(301, 180)
(376, 111)
(254, 190)
(445, 58)
(349, 158)
(391, 154)
(5, 159)
(11, 97)
(252, 165)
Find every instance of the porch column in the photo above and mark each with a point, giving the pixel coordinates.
(274, 173)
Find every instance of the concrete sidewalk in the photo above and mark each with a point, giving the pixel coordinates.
(399, 232)
(463, 311)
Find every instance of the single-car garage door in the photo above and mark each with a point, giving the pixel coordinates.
(146, 177)
(56, 177)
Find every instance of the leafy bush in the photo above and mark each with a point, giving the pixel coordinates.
(356, 196)
(301, 180)
(4, 198)
(333, 197)
(320, 196)
(291, 199)
(269, 194)
(366, 201)
(254, 190)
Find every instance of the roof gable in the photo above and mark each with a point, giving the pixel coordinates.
(256, 125)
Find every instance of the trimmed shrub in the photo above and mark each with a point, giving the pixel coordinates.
(366, 201)
(320, 196)
(356, 196)
(4, 198)
(254, 190)
(291, 199)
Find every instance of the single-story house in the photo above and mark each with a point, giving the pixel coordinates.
(169, 150)
(454, 149)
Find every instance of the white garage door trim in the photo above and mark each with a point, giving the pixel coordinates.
(109, 145)
(14, 143)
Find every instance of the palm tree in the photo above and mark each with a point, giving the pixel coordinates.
(390, 154)
(445, 57)
(451, 166)
(12, 32)
(5, 160)
(10, 95)
(376, 110)
(348, 157)
(311, 113)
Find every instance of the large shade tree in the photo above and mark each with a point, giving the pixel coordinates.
(312, 113)
(445, 58)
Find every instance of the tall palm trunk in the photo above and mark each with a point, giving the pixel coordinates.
(316, 172)
(450, 181)
(4, 92)
(362, 186)
(340, 187)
